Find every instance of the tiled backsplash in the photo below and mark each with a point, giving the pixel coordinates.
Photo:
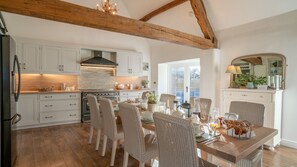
(36, 81)
(90, 78)
(94, 78)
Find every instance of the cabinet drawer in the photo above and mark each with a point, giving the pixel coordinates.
(58, 116)
(58, 96)
(264, 97)
(54, 105)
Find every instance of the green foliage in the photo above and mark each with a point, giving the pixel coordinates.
(151, 98)
(243, 79)
(144, 82)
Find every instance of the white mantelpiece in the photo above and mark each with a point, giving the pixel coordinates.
(271, 99)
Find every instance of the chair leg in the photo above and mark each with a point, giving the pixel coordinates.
(113, 152)
(98, 139)
(141, 164)
(104, 145)
(126, 158)
(91, 134)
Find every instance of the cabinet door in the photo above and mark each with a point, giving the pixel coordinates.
(70, 60)
(27, 107)
(135, 63)
(30, 58)
(51, 60)
(123, 64)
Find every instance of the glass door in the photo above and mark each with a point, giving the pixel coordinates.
(184, 80)
(177, 83)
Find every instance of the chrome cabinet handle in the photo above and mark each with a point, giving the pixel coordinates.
(244, 95)
(48, 96)
(48, 105)
(24, 66)
(74, 104)
(48, 117)
(72, 95)
(71, 115)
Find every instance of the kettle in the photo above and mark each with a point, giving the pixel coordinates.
(187, 107)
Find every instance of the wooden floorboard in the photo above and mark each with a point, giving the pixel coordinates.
(67, 146)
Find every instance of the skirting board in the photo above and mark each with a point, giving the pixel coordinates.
(289, 143)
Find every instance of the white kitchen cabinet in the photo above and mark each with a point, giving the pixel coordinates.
(50, 60)
(70, 60)
(59, 107)
(29, 57)
(129, 64)
(39, 110)
(27, 107)
(271, 99)
(57, 60)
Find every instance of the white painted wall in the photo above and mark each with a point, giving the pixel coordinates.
(209, 61)
(273, 35)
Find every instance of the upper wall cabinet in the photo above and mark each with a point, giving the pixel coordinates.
(44, 59)
(129, 64)
(57, 60)
(29, 57)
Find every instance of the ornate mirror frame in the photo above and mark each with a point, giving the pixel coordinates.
(282, 57)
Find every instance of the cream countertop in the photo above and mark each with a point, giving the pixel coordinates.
(49, 92)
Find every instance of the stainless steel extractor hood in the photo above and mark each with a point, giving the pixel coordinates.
(99, 61)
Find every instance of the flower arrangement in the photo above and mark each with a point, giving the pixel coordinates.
(144, 83)
(151, 98)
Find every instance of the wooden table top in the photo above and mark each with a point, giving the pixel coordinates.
(230, 148)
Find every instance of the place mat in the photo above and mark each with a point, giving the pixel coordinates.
(206, 137)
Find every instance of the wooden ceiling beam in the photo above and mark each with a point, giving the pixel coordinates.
(200, 14)
(162, 9)
(61, 11)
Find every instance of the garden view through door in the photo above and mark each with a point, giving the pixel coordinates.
(184, 79)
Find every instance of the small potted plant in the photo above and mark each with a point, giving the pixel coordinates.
(151, 101)
(245, 81)
(144, 83)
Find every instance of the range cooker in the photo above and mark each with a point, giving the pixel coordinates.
(85, 110)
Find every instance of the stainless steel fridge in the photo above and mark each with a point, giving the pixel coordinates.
(10, 79)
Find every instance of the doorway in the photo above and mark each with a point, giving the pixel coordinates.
(180, 78)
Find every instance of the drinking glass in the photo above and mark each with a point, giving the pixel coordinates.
(162, 107)
(213, 121)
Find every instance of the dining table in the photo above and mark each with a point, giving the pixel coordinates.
(230, 148)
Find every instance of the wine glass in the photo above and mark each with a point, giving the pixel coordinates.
(213, 121)
(203, 113)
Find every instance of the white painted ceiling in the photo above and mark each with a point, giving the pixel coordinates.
(223, 14)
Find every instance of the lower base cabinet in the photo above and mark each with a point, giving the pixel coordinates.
(58, 116)
(27, 107)
(48, 109)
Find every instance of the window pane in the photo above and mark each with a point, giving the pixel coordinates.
(194, 81)
(177, 83)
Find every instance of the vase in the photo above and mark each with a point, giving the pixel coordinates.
(250, 85)
(152, 107)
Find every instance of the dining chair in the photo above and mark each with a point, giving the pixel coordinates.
(135, 143)
(170, 98)
(254, 113)
(111, 130)
(205, 105)
(96, 119)
(176, 142)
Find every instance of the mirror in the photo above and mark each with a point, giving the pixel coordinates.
(271, 66)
